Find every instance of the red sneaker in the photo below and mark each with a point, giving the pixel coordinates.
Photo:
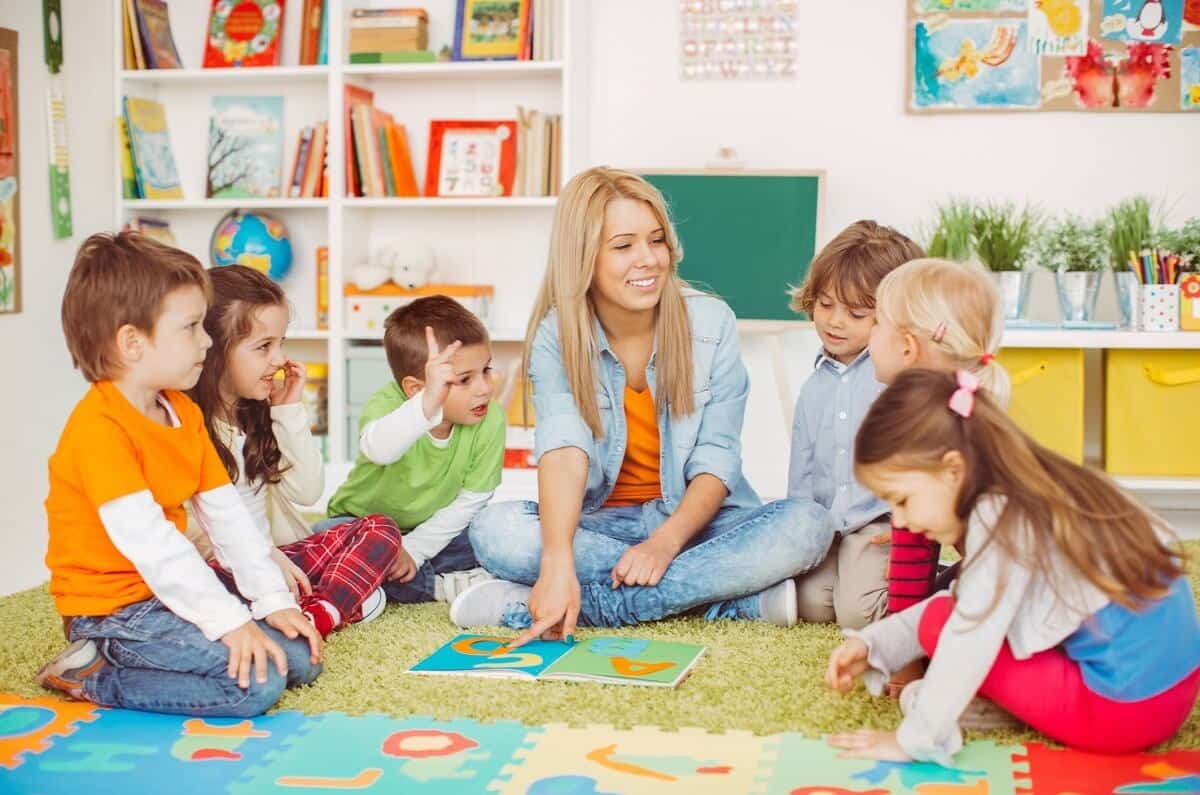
(322, 614)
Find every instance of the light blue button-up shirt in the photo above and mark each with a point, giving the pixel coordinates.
(706, 441)
(831, 406)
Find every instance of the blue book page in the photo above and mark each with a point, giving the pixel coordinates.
(485, 655)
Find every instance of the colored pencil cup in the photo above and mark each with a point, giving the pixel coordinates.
(1160, 307)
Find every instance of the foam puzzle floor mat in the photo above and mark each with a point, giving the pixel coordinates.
(49, 746)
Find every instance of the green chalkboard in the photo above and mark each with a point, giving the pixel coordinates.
(746, 236)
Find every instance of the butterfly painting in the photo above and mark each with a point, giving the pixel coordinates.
(1126, 80)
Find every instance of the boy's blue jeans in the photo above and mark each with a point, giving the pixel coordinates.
(161, 663)
(456, 556)
(741, 552)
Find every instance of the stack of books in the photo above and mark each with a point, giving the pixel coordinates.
(378, 161)
(146, 30)
(539, 153)
(308, 177)
(149, 155)
(389, 35)
(314, 36)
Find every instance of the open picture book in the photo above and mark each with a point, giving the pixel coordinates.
(607, 660)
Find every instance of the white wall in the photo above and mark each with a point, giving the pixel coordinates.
(844, 113)
(39, 385)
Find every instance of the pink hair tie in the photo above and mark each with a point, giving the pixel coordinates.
(939, 333)
(962, 402)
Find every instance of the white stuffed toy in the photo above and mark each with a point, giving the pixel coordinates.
(413, 268)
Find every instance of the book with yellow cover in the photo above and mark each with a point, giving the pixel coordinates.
(150, 143)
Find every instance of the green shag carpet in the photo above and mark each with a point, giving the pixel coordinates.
(753, 676)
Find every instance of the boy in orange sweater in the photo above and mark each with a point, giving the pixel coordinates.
(151, 626)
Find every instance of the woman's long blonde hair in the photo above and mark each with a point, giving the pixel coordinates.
(955, 308)
(1050, 502)
(566, 287)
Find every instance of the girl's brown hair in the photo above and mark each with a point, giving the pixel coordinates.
(238, 294)
(1050, 502)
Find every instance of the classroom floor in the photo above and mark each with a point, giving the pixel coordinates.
(753, 676)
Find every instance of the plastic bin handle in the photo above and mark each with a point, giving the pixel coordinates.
(1021, 376)
(1173, 377)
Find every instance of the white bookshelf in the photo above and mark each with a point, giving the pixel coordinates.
(500, 241)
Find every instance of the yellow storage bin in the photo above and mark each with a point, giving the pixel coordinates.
(1151, 402)
(1047, 396)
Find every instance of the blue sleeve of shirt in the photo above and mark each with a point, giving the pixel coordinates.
(800, 464)
(718, 449)
(558, 422)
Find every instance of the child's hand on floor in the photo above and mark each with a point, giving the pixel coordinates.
(404, 569)
(292, 623)
(249, 644)
(439, 373)
(869, 744)
(847, 663)
(293, 575)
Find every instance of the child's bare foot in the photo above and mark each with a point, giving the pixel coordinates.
(909, 673)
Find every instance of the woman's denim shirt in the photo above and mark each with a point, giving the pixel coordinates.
(707, 440)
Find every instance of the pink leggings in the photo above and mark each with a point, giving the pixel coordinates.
(1048, 693)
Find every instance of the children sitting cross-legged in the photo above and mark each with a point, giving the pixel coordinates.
(151, 626)
(261, 432)
(1071, 611)
(431, 448)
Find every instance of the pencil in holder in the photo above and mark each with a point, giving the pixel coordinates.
(1160, 307)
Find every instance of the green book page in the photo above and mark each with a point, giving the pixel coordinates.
(632, 661)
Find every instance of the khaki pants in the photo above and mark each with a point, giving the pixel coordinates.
(850, 586)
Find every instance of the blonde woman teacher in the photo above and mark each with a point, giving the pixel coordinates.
(639, 391)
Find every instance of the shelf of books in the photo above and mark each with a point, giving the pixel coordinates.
(361, 153)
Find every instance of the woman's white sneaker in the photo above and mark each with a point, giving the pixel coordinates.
(484, 603)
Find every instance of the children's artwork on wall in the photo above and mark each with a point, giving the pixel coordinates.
(1052, 55)
(1154, 21)
(10, 216)
(974, 63)
(1058, 27)
(719, 43)
(1189, 78)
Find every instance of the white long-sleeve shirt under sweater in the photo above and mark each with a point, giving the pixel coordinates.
(180, 578)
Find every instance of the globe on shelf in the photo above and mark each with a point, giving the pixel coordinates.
(256, 240)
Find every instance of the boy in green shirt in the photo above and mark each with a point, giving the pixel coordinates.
(431, 447)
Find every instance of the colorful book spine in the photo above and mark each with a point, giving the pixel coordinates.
(300, 163)
(385, 157)
(129, 183)
(322, 287)
(323, 44)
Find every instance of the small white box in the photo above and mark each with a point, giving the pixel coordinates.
(367, 310)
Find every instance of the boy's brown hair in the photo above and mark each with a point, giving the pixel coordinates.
(852, 265)
(404, 332)
(120, 280)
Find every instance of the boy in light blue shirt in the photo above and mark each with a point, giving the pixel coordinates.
(850, 586)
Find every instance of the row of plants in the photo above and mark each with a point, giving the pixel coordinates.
(1013, 241)
(1005, 237)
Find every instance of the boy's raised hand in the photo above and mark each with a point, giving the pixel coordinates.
(292, 387)
(249, 644)
(439, 373)
(847, 662)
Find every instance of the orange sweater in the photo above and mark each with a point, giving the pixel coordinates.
(108, 450)
(638, 481)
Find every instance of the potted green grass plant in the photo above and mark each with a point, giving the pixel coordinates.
(1078, 253)
(1130, 229)
(1003, 235)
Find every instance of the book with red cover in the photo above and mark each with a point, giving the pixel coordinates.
(471, 158)
(243, 33)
